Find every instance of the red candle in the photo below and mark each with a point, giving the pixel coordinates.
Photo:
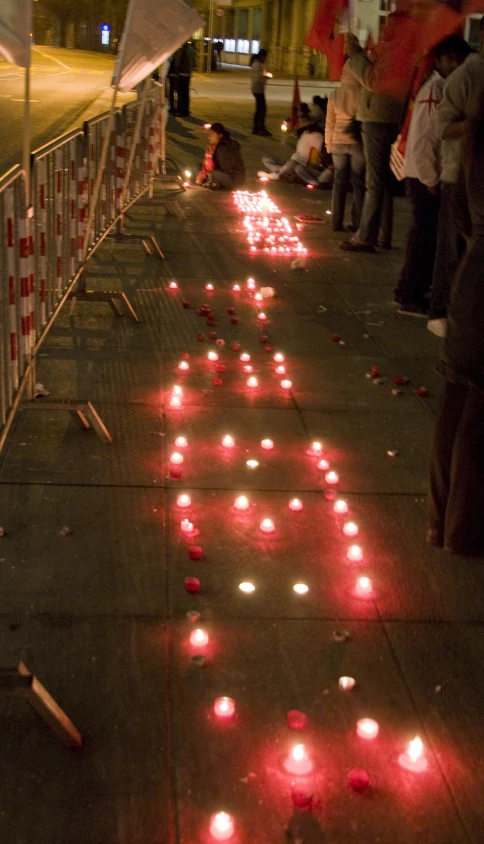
(195, 552)
(364, 587)
(367, 728)
(295, 504)
(414, 757)
(286, 384)
(181, 442)
(183, 501)
(222, 826)
(183, 366)
(224, 707)
(199, 638)
(331, 478)
(354, 553)
(192, 585)
(267, 526)
(267, 445)
(340, 506)
(298, 762)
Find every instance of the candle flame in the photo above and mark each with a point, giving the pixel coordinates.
(298, 752)
(415, 749)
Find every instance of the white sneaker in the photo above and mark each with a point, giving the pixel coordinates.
(438, 326)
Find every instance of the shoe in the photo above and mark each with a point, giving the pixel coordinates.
(256, 132)
(384, 244)
(413, 309)
(356, 246)
(262, 174)
(273, 177)
(438, 326)
(266, 133)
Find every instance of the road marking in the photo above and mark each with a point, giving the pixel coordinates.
(15, 100)
(46, 55)
(10, 75)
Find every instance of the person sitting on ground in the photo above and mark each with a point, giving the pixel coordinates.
(228, 167)
(318, 110)
(207, 165)
(308, 148)
(304, 112)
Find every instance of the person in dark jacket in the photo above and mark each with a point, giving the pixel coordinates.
(229, 171)
(457, 458)
(182, 65)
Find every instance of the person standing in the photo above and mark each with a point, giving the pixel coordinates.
(185, 65)
(422, 171)
(380, 115)
(258, 81)
(346, 149)
(460, 101)
(457, 455)
(173, 79)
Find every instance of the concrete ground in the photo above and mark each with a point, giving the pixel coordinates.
(93, 563)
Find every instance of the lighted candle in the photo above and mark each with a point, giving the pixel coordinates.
(258, 297)
(262, 316)
(316, 449)
(295, 504)
(228, 441)
(222, 826)
(199, 638)
(350, 529)
(209, 286)
(173, 285)
(188, 174)
(278, 357)
(267, 526)
(245, 357)
(367, 728)
(236, 288)
(183, 501)
(301, 588)
(346, 683)
(212, 356)
(177, 390)
(241, 503)
(355, 553)
(340, 506)
(187, 526)
(331, 478)
(323, 465)
(176, 458)
(251, 284)
(207, 126)
(181, 442)
(252, 464)
(183, 366)
(414, 757)
(281, 369)
(286, 384)
(252, 381)
(175, 401)
(224, 707)
(247, 587)
(298, 762)
(364, 587)
(267, 445)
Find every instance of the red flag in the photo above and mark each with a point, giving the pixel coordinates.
(325, 36)
(296, 102)
(441, 20)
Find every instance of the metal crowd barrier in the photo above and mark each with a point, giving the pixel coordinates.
(43, 249)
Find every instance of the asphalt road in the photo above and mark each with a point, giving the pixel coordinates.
(65, 85)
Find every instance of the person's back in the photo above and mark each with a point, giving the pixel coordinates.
(228, 159)
(342, 108)
(257, 78)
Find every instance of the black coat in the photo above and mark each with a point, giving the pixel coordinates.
(228, 159)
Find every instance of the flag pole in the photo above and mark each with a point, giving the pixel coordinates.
(26, 138)
(135, 141)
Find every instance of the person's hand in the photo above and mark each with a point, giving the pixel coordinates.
(200, 178)
(352, 45)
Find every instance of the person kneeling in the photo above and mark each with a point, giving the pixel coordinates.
(228, 172)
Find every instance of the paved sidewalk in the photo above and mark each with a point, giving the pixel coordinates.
(99, 612)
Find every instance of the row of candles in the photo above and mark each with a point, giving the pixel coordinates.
(267, 230)
(299, 761)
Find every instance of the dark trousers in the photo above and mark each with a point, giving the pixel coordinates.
(456, 503)
(416, 276)
(184, 95)
(450, 249)
(260, 112)
(173, 93)
(377, 213)
(349, 161)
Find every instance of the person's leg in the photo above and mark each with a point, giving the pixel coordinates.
(263, 112)
(221, 180)
(441, 456)
(308, 175)
(464, 523)
(259, 113)
(183, 96)
(272, 164)
(172, 80)
(416, 275)
(449, 250)
(358, 182)
(341, 161)
(377, 142)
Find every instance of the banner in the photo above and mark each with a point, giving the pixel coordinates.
(327, 34)
(154, 29)
(15, 31)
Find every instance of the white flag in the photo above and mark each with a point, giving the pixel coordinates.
(16, 31)
(154, 29)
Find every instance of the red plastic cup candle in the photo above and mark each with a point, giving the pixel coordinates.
(331, 478)
(176, 458)
(181, 442)
(183, 366)
(323, 465)
(262, 316)
(241, 502)
(228, 441)
(414, 757)
(195, 552)
(301, 588)
(281, 369)
(316, 449)
(359, 780)
(364, 587)
(355, 553)
(224, 707)
(279, 357)
(267, 445)
(213, 356)
(367, 728)
(251, 284)
(236, 288)
(248, 368)
(177, 390)
(340, 506)
(245, 357)
(187, 526)
(286, 384)
(209, 286)
(222, 826)
(346, 683)
(350, 529)
(296, 719)
(258, 297)
(175, 401)
(173, 285)
(252, 381)
(199, 638)
(183, 501)
(298, 762)
(267, 526)
(247, 587)
(192, 585)
(295, 504)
